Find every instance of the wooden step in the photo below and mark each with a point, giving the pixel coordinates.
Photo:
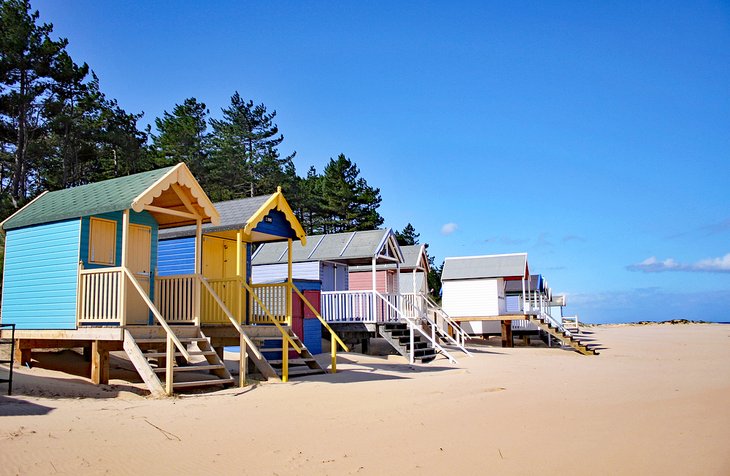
(178, 354)
(300, 371)
(190, 368)
(164, 341)
(203, 383)
(297, 361)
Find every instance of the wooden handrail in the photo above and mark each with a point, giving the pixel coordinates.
(229, 314)
(321, 319)
(284, 333)
(157, 314)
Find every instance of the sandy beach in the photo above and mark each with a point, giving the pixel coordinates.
(654, 402)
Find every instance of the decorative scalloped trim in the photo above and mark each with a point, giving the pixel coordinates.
(181, 175)
(278, 202)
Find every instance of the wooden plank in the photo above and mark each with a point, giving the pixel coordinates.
(99, 363)
(84, 333)
(507, 340)
(143, 368)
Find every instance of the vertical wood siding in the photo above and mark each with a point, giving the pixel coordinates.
(277, 225)
(40, 281)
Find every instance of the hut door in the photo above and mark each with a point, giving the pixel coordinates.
(140, 239)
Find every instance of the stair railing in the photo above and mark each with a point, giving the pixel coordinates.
(461, 335)
(245, 342)
(413, 327)
(171, 341)
(286, 339)
(334, 338)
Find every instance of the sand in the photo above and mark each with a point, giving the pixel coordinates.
(654, 402)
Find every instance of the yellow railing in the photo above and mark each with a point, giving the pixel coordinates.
(175, 297)
(286, 339)
(230, 292)
(334, 338)
(268, 303)
(99, 296)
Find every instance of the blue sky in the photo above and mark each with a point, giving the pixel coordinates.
(594, 137)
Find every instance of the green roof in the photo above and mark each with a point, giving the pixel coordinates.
(92, 199)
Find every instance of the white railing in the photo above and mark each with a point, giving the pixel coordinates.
(413, 327)
(175, 297)
(99, 296)
(443, 324)
(359, 306)
(274, 299)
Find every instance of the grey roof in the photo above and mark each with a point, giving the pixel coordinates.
(515, 286)
(411, 260)
(92, 199)
(234, 216)
(492, 266)
(343, 247)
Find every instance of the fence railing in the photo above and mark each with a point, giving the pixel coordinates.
(175, 297)
(99, 296)
(359, 306)
(271, 303)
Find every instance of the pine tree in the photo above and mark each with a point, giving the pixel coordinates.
(182, 136)
(408, 236)
(245, 160)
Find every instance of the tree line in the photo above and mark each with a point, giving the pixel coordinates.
(58, 129)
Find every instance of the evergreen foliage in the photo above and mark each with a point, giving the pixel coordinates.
(408, 236)
(58, 130)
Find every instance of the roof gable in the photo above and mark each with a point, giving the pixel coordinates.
(162, 187)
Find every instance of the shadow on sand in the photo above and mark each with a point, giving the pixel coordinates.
(13, 406)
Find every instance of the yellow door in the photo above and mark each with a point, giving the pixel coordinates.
(212, 257)
(138, 261)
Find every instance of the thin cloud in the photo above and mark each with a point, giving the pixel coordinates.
(568, 238)
(708, 265)
(505, 240)
(449, 228)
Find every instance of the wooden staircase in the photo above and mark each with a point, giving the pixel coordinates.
(146, 347)
(268, 340)
(398, 335)
(565, 337)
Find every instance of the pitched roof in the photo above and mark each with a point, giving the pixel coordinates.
(356, 246)
(491, 266)
(411, 259)
(241, 214)
(536, 284)
(110, 195)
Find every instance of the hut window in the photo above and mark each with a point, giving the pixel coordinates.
(102, 241)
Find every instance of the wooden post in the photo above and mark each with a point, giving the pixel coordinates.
(375, 284)
(169, 362)
(22, 355)
(507, 333)
(123, 277)
(333, 350)
(284, 360)
(198, 267)
(240, 273)
(99, 363)
(243, 363)
(290, 283)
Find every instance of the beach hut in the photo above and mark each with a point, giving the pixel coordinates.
(79, 272)
(473, 292)
(358, 305)
(408, 277)
(496, 295)
(281, 313)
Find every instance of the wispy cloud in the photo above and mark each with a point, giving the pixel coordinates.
(506, 240)
(543, 240)
(708, 265)
(705, 230)
(449, 228)
(568, 238)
